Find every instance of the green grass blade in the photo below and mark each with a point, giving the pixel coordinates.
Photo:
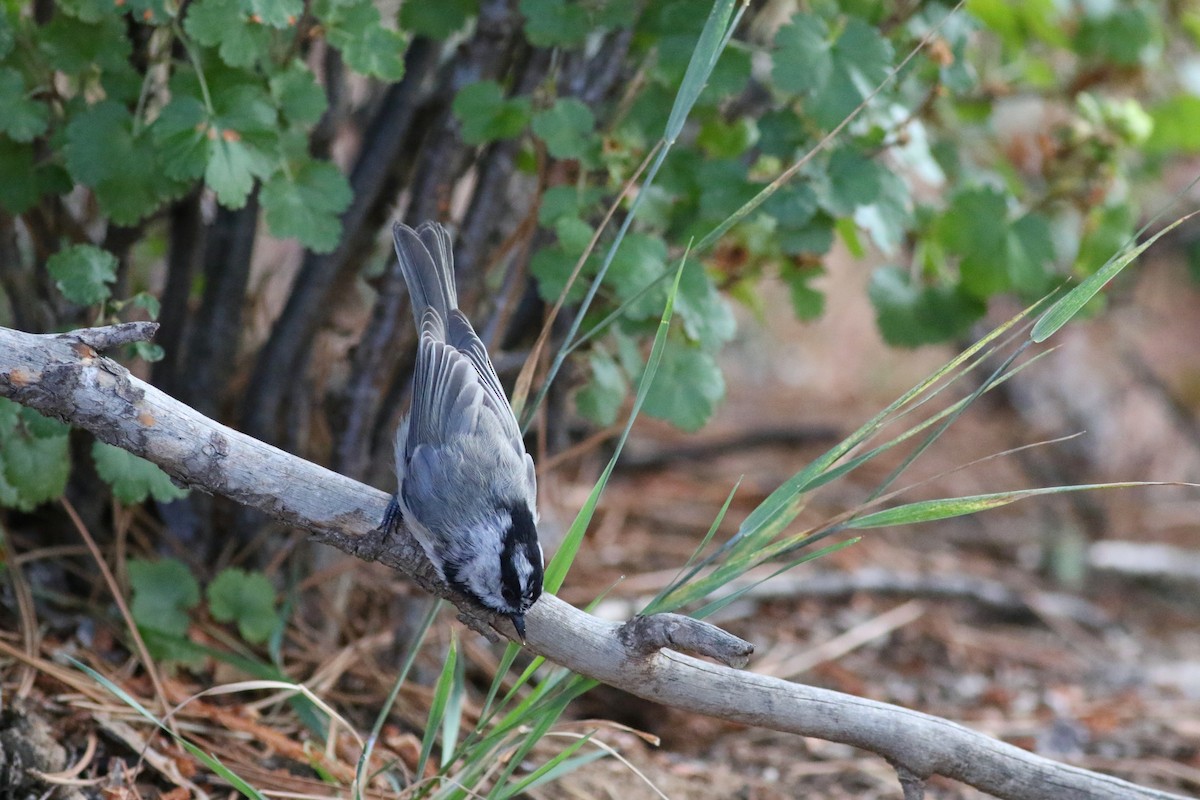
(942, 427)
(410, 657)
(1066, 308)
(716, 605)
(556, 571)
(783, 504)
(452, 719)
(704, 57)
(441, 698)
(231, 777)
(208, 759)
(856, 462)
(709, 46)
(506, 662)
(946, 508)
(687, 571)
(555, 768)
(542, 724)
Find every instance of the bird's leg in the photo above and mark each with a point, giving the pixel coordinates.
(370, 549)
(392, 517)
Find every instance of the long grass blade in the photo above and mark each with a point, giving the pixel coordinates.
(452, 719)
(441, 699)
(946, 508)
(556, 571)
(410, 657)
(553, 769)
(704, 57)
(208, 759)
(1073, 302)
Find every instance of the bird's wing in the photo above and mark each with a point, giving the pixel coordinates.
(447, 394)
(464, 339)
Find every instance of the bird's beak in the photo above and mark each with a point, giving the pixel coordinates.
(518, 621)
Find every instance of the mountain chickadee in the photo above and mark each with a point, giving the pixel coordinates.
(466, 484)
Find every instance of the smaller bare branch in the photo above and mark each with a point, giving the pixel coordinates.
(642, 636)
(912, 784)
(110, 336)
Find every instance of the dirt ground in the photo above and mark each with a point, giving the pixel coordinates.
(1093, 657)
(1025, 623)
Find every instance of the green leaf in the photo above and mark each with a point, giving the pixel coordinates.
(298, 95)
(854, 180)
(802, 61)
(808, 303)
(133, 478)
(242, 143)
(889, 219)
(41, 426)
(181, 132)
(975, 227)
(35, 463)
(10, 415)
(163, 593)
(556, 570)
(226, 25)
(565, 201)
(7, 37)
(551, 267)
(19, 186)
(368, 47)
(705, 314)
(1127, 36)
(437, 20)
(687, 387)
(76, 47)
(82, 273)
(551, 23)
(277, 13)
(813, 238)
(909, 315)
(793, 206)
(1106, 230)
(121, 166)
(308, 204)
(566, 128)
(637, 263)
(781, 133)
(1176, 125)
(441, 698)
(147, 301)
(723, 188)
(1029, 250)
(247, 598)
(1068, 306)
(147, 351)
(1019, 23)
(600, 400)
(486, 115)
(837, 73)
(721, 139)
(23, 119)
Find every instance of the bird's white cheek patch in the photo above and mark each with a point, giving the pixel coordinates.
(524, 569)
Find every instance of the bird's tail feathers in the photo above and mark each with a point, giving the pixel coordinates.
(428, 268)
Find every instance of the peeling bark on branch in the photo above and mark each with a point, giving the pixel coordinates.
(61, 375)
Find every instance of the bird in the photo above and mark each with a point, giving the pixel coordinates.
(466, 484)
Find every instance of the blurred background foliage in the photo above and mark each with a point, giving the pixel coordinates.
(231, 167)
